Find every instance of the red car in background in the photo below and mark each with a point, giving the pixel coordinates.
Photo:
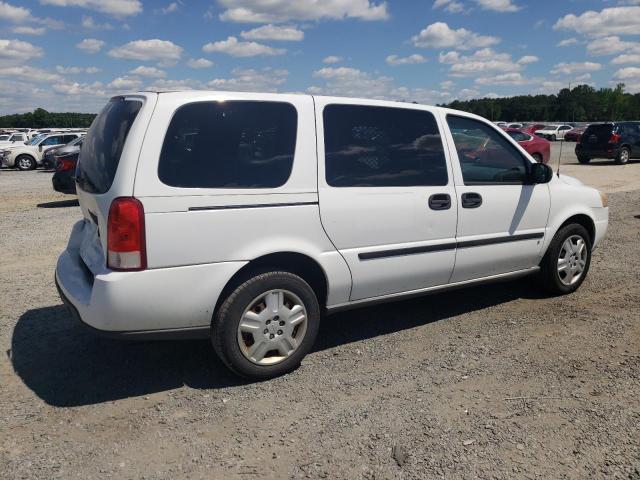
(531, 128)
(574, 135)
(537, 147)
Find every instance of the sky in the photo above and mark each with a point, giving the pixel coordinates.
(72, 55)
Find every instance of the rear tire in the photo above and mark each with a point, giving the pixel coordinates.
(553, 138)
(26, 162)
(623, 156)
(584, 160)
(258, 333)
(566, 263)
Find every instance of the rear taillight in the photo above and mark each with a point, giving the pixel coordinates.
(64, 164)
(126, 244)
(615, 138)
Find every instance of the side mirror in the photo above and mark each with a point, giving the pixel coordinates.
(540, 173)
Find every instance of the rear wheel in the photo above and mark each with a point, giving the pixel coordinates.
(26, 162)
(566, 263)
(553, 138)
(584, 160)
(267, 325)
(623, 156)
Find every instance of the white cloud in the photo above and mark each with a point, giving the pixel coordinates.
(183, 84)
(609, 21)
(117, 8)
(265, 80)
(331, 59)
(498, 5)
(451, 6)
(25, 30)
(626, 58)
(273, 32)
(75, 70)
(468, 94)
(12, 13)
(628, 73)
(572, 68)
(90, 45)
(95, 89)
(447, 84)
(610, 45)
(26, 73)
(163, 51)
(14, 52)
(511, 79)
(172, 7)
(527, 59)
(482, 62)
(231, 46)
(90, 24)
(125, 83)
(199, 63)
(440, 35)
(278, 11)
(351, 82)
(567, 42)
(151, 72)
(409, 60)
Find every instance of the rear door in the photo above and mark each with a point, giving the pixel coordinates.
(387, 199)
(595, 139)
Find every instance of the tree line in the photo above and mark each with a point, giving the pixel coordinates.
(40, 118)
(582, 103)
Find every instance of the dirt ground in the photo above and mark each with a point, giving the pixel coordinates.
(496, 381)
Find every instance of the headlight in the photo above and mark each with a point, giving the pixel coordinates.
(604, 198)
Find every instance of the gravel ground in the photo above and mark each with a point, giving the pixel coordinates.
(489, 382)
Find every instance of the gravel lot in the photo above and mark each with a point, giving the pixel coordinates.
(489, 382)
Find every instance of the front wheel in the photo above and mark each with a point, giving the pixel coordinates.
(623, 156)
(566, 263)
(25, 162)
(267, 325)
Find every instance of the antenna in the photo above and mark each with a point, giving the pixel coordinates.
(560, 156)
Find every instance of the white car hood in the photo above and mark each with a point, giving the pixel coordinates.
(569, 180)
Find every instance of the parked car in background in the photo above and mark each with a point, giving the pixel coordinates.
(48, 161)
(13, 139)
(66, 160)
(575, 134)
(531, 128)
(539, 148)
(241, 217)
(553, 132)
(500, 124)
(515, 125)
(29, 155)
(619, 141)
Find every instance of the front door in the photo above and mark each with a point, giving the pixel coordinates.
(501, 219)
(387, 198)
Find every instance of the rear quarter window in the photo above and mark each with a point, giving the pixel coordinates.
(231, 144)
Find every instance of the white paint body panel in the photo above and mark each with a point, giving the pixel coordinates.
(193, 254)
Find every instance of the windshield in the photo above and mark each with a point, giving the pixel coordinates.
(4, 137)
(35, 139)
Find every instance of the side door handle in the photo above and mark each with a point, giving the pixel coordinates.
(471, 200)
(440, 201)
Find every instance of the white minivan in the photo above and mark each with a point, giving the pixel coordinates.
(244, 217)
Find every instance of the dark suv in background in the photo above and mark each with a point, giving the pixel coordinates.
(617, 140)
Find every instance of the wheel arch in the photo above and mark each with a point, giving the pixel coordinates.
(581, 219)
(297, 263)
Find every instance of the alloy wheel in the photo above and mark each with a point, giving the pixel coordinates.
(572, 259)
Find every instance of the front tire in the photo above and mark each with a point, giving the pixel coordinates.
(566, 263)
(623, 156)
(266, 326)
(26, 162)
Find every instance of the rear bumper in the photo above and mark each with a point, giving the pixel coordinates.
(63, 182)
(166, 303)
(609, 152)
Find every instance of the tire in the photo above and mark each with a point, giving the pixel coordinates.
(26, 162)
(553, 138)
(537, 157)
(623, 156)
(584, 160)
(551, 278)
(262, 329)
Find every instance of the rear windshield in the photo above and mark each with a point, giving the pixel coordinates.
(102, 146)
(233, 144)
